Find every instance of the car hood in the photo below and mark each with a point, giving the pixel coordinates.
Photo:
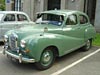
(39, 29)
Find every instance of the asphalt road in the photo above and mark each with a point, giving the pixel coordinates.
(89, 66)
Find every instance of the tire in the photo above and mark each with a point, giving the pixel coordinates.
(88, 45)
(46, 60)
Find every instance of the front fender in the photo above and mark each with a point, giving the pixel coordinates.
(38, 43)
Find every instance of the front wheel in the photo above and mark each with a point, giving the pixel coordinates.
(87, 45)
(46, 60)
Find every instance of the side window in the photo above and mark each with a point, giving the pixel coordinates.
(21, 17)
(71, 20)
(83, 19)
(9, 17)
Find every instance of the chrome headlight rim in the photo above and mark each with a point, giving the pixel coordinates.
(5, 38)
(23, 43)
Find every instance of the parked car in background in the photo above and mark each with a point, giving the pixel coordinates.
(12, 19)
(56, 33)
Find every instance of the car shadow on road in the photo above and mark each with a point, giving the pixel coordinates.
(77, 52)
(69, 58)
(30, 67)
(75, 55)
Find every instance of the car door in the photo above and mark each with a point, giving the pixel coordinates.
(8, 23)
(22, 20)
(84, 24)
(73, 33)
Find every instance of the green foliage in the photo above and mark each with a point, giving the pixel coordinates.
(2, 5)
(96, 42)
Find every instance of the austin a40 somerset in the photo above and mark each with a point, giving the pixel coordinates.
(54, 34)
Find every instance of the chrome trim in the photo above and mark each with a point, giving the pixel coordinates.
(19, 57)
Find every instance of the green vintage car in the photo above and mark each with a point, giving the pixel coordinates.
(54, 34)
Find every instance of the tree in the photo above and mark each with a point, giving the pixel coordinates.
(2, 5)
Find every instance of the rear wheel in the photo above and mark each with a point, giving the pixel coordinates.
(47, 59)
(87, 45)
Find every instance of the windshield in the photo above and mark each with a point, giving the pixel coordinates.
(53, 19)
(1, 15)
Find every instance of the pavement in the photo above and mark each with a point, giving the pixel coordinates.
(75, 63)
(90, 66)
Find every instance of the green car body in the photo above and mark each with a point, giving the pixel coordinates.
(62, 37)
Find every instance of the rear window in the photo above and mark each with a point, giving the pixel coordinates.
(83, 19)
(21, 17)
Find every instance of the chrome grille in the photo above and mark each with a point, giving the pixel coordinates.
(12, 42)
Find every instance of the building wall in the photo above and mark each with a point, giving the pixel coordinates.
(97, 16)
(8, 6)
(31, 7)
(28, 7)
(74, 5)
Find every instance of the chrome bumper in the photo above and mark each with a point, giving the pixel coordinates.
(19, 57)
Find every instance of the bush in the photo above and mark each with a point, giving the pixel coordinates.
(2, 7)
(96, 42)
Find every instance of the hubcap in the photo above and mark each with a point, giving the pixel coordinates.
(47, 58)
(88, 44)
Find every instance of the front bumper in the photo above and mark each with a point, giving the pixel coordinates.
(19, 57)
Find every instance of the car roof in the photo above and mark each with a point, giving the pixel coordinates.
(13, 12)
(63, 12)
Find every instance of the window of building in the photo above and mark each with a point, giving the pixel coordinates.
(18, 5)
(90, 9)
(71, 20)
(54, 4)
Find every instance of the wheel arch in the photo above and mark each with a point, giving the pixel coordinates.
(40, 65)
(55, 49)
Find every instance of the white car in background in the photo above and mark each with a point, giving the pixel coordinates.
(11, 20)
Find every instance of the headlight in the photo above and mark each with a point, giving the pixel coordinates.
(23, 43)
(5, 38)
